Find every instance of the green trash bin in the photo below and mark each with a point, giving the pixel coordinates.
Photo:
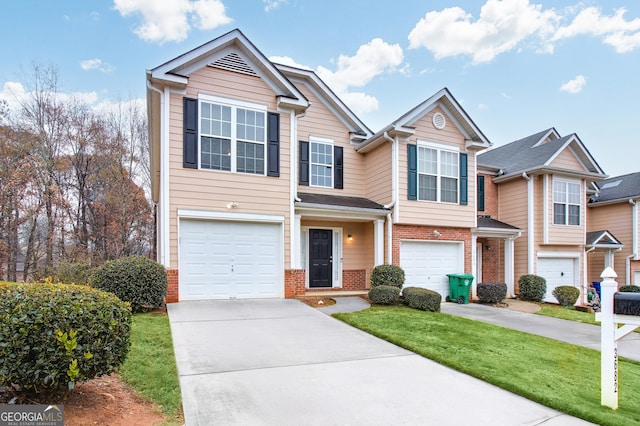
(459, 287)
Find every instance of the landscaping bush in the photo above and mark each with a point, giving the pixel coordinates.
(137, 280)
(629, 289)
(566, 295)
(387, 275)
(492, 292)
(54, 335)
(422, 298)
(532, 287)
(384, 294)
(71, 273)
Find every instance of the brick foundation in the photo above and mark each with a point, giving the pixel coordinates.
(172, 286)
(354, 280)
(294, 283)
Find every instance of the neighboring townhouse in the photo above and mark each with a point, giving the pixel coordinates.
(538, 188)
(613, 216)
(269, 186)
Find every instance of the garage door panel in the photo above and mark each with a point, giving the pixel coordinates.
(220, 260)
(426, 264)
(557, 271)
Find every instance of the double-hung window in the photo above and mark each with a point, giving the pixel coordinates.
(438, 174)
(232, 136)
(321, 162)
(566, 202)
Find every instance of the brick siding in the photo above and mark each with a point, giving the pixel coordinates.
(172, 286)
(294, 283)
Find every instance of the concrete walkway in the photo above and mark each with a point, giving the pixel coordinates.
(281, 362)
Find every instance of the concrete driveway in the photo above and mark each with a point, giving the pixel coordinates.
(280, 362)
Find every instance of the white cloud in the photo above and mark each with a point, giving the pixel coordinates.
(501, 27)
(15, 95)
(371, 60)
(286, 60)
(615, 31)
(96, 64)
(171, 20)
(574, 86)
(272, 4)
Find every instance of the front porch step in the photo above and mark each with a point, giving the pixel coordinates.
(335, 293)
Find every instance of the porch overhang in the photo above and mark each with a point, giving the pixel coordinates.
(602, 240)
(492, 228)
(339, 207)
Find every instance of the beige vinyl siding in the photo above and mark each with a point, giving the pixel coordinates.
(566, 160)
(378, 174)
(356, 254)
(211, 190)
(566, 234)
(617, 219)
(512, 209)
(429, 212)
(321, 122)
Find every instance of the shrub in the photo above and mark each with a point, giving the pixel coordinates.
(566, 295)
(384, 294)
(532, 287)
(422, 298)
(71, 273)
(387, 275)
(137, 280)
(490, 292)
(54, 335)
(629, 289)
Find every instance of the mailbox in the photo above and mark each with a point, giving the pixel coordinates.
(626, 303)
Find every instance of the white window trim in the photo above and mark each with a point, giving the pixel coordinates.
(439, 148)
(567, 203)
(234, 104)
(336, 280)
(324, 141)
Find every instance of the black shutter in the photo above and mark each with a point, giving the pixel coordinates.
(190, 140)
(273, 144)
(412, 154)
(481, 193)
(464, 181)
(338, 167)
(304, 163)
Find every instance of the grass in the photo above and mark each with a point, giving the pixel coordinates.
(150, 367)
(559, 375)
(568, 313)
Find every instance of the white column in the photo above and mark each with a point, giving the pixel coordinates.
(474, 259)
(295, 246)
(509, 266)
(378, 245)
(608, 343)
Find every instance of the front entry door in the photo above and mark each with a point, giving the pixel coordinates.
(320, 258)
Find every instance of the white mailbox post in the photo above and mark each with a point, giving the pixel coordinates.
(609, 336)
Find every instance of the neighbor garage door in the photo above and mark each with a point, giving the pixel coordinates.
(426, 264)
(557, 271)
(222, 260)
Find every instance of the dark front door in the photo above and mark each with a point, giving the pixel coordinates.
(320, 259)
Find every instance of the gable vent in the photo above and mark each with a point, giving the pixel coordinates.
(438, 121)
(233, 62)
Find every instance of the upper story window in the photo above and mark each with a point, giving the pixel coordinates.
(232, 136)
(438, 174)
(566, 202)
(321, 162)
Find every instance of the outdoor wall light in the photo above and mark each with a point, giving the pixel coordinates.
(232, 205)
(436, 233)
(350, 237)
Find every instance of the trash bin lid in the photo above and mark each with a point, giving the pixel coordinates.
(463, 276)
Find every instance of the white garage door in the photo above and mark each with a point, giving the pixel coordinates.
(426, 264)
(557, 271)
(222, 260)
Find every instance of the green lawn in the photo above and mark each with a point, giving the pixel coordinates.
(568, 313)
(556, 374)
(150, 367)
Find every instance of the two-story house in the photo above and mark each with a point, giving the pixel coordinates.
(267, 185)
(540, 185)
(613, 214)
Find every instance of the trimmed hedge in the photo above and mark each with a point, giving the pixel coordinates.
(55, 335)
(532, 287)
(422, 298)
(137, 280)
(387, 275)
(629, 289)
(492, 292)
(566, 295)
(384, 294)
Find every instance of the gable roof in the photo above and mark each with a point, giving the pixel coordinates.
(617, 189)
(536, 152)
(404, 126)
(603, 239)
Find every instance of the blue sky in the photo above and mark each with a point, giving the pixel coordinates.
(517, 66)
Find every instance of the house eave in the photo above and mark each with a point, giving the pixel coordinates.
(343, 212)
(615, 201)
(541, 170)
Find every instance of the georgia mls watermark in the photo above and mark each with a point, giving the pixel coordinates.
(31, 415)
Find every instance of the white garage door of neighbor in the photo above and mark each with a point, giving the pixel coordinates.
(426, 264)
(557, 271)
(222, 260)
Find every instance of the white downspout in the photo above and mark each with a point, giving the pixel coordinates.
(585, 283)
(389, 240)
(160, 255)
(394, 196)
(294, 154)
(530, 222)
(294, 232)
(634, 240)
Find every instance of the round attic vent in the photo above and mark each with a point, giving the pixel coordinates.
(439, 121)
